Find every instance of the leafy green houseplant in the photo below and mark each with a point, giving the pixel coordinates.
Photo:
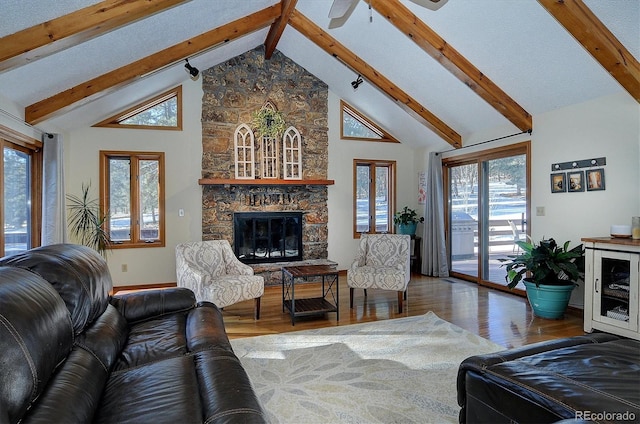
(549, 272)
(548, 263)
(86, 221)
(406, 220)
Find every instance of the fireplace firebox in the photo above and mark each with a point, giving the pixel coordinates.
(261, 237)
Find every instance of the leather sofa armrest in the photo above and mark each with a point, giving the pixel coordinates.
(149, 304)
(479, 363)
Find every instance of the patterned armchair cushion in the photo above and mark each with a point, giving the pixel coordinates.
(382, 262)
(213, 273)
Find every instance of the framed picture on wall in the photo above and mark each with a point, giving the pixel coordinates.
(558, 183)
(595, 179)
(575, 181)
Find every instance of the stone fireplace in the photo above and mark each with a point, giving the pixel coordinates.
(234, 90)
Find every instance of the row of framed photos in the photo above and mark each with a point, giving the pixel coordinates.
(574, 181)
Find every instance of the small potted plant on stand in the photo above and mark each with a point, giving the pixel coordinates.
(406, 221)
(553, 272)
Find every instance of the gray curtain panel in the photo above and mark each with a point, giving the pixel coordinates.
(434, 257)
(54, 218)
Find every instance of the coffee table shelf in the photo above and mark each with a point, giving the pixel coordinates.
(312, 305)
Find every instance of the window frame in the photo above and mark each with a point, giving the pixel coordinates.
(134, 157)
(385, 137)
(115, 121)
(17, 141)
(392, 190)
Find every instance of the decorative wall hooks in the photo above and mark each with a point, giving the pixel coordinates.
(585, 163)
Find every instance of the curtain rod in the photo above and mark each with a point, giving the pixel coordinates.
(23, 122)
(529, 131)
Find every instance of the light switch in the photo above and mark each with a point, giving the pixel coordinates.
(539, 210)
(180, 212)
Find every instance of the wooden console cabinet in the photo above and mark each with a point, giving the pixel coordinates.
(612, 277)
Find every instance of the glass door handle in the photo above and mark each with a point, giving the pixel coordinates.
(597, 285)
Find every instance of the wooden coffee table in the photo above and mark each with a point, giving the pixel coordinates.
(314, 305)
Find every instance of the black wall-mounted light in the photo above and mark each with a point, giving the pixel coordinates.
(355, 84)
(191, 70)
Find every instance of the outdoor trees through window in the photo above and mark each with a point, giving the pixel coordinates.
(132, 193)
(20, 193)
(374, 196)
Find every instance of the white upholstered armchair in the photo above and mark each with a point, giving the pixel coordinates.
(382, 262)
(213, 272)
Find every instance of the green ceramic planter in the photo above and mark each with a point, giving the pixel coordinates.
(548, 301)
(406, 228)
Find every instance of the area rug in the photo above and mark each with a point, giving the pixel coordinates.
(395, 371)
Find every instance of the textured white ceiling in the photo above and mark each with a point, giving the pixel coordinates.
(516, 43)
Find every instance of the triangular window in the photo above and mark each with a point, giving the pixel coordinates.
(356, 126)
(163, 112)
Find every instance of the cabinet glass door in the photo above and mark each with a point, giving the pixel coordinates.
(615, 298)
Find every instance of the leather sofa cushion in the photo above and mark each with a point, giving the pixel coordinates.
(145, 305)
(548, 381)
(79, 275)
(154, 340)
(36, 335)
(209, 386)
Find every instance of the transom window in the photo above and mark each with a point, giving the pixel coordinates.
(356, 126)
(132, 194)
(163, 112)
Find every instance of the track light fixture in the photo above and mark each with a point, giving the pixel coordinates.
(191, 70)
(355, 84)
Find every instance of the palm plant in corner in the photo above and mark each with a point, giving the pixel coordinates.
(549, 271)
(86, 221)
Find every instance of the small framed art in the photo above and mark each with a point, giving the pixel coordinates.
(595, 179)
(558, 183)
(575, 181)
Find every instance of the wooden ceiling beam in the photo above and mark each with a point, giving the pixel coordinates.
(326, 42)
(277, 28)
(434, 45)
(117, 78)
(49, 37)
(596, 38)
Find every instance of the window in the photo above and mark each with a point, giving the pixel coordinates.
(20, 191)
(355, 126)
(132, 193)
(374, 196)
(163, 112)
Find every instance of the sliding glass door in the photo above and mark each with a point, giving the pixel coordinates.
(487, 209)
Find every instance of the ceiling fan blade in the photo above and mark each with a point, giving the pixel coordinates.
(338, 21)
(340, 7)
(430, 4)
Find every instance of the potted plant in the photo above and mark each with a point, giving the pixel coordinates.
(86, 222)
(406, 221)
(549, 271)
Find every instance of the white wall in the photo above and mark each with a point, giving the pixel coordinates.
(183, 158)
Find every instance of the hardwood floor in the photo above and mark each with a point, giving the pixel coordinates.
(503, 318)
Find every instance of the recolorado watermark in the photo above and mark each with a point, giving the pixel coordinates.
(605, 416)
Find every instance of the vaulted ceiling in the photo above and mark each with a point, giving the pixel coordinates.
(431, 77)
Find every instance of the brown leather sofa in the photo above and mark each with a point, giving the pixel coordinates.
(590, 378)
(71, 353)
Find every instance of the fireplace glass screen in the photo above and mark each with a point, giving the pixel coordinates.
(267, 236)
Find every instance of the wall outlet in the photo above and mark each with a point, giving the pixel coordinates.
(124, 268)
